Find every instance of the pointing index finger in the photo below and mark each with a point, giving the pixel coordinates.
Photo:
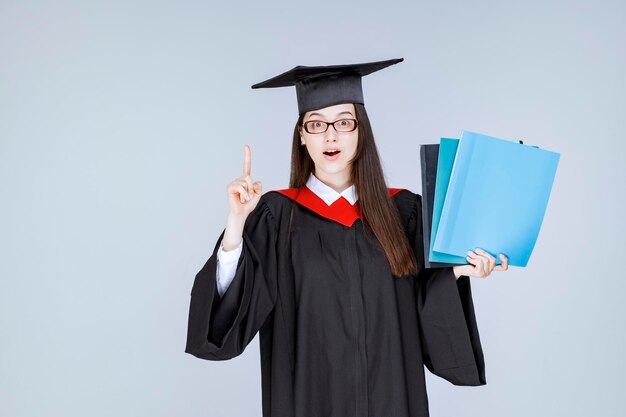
(246, 161)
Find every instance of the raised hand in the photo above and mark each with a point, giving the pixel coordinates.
(243, 194)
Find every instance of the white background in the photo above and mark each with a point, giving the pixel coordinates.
(121, 123)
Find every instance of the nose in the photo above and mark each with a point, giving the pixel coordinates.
(330, 134)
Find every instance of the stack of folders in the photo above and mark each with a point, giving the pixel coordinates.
(483, 192)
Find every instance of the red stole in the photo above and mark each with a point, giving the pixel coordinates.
(340, 211)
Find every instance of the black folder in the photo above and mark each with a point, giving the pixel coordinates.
(429, 157)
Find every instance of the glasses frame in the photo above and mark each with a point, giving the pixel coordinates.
(356, 124)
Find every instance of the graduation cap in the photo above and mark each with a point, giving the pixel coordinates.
(323, 86)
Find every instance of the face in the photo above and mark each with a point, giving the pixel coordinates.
(321, 145)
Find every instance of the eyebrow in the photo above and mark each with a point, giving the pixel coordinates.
(339, 114)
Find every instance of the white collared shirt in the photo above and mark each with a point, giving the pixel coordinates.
(227, 260)
(328, 194)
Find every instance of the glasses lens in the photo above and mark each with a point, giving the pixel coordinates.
(315, 126)
(345, 125)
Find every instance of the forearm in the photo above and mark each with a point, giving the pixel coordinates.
(233, 233)
(457, 274)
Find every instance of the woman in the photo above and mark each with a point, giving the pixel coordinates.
(330, 273)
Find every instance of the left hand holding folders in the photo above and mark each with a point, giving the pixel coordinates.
(481, 264)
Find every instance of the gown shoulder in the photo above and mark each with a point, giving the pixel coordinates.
(275, 203)
(409, 206)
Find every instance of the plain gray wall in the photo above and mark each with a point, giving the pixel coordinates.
(121, 123)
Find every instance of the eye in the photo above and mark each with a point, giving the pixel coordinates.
(343, 122)
(315, 126)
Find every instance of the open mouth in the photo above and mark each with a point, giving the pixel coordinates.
(331, 153)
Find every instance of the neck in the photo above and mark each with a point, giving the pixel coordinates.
(338, 182)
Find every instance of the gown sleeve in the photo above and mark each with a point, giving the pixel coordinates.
(220, 328)
(449, 332)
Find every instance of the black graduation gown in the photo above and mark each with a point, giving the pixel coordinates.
(339, 335)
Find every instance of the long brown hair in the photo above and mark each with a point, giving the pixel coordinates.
(376, 209)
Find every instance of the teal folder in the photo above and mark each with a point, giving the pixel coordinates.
(496, 198)
(445, 159)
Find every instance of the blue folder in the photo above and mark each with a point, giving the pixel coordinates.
(496, 198)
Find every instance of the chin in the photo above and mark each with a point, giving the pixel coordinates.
(331, 169)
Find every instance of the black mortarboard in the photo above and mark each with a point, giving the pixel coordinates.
(323, 86)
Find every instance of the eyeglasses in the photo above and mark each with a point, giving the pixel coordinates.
(341, 125)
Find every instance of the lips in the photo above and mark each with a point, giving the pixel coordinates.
(331, 154)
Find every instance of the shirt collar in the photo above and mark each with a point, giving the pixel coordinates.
(329, 195)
